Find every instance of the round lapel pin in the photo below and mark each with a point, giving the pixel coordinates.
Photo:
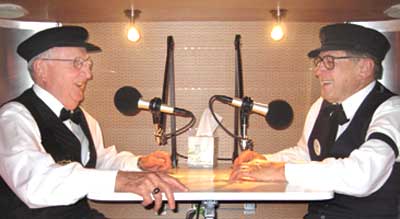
(317, 147)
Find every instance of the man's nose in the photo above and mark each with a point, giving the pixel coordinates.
(87, 71)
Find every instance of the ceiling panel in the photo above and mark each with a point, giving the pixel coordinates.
(204, 10)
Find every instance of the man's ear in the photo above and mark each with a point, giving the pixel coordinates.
(39, 70)
(366, 66)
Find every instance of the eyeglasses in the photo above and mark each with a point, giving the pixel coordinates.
(329, 61)
(77, 62)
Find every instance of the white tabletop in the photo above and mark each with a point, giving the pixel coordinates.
(213, 184)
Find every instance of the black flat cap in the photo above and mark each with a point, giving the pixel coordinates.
(351, 37)
(65, 36)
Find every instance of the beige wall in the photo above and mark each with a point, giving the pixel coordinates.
(204, 66)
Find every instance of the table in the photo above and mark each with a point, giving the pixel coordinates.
(212, 185)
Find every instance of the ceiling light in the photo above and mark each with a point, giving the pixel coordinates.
(278, 29)
(393, 11)
(133, 31)
(11, 11)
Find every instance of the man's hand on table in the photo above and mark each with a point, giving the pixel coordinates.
(247, 156)
(155, 161)
(150, 185)
(259, 170)
(250, 165)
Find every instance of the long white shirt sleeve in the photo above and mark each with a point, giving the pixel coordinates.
(33, 174)
(360, 174)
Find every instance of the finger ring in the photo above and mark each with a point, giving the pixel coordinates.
(155, 191)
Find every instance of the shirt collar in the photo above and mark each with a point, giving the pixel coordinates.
(352, 103)
(52, 102)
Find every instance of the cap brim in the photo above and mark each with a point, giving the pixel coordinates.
(92, 48)
(314, 53)
(88, 46)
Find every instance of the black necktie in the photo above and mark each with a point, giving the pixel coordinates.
(75, 116)
(336, 117)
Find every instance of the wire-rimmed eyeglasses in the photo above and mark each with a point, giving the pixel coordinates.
(329, 61)
(77, 62)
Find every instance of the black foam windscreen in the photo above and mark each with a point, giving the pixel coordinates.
(126, 100)
(280, 114)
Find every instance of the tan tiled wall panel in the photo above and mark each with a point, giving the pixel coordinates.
(204, 66)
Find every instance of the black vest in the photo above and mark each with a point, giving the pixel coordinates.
(63, 146)
(382, 204)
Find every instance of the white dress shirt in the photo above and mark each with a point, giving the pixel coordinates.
(365, 170)
(32, 173)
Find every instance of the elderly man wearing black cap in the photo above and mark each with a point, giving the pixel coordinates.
(51, 150)
(351, 134)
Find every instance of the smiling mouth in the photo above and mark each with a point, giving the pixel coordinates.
(326, 82)
(81, 85)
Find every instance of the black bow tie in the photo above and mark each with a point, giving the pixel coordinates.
(76, 116)
(336, 111)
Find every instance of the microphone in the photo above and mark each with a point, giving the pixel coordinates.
(278, 113)
(129, 102)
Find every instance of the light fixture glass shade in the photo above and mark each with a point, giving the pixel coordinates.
(277, 32)
(133, 33)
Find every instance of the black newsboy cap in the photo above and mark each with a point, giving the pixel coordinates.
(65, 36)
(351, 37)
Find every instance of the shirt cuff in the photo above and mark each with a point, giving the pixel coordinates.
(294, 173)
(131, 164)
(102, 180)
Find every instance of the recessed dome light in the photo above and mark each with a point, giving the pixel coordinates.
(393, 11)
(11, 11)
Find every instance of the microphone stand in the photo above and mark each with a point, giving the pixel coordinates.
(245, 109)
(169, 91)
(159, 133)
(239, 94)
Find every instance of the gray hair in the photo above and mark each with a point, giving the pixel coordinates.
(378, 68)
(45, 54)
